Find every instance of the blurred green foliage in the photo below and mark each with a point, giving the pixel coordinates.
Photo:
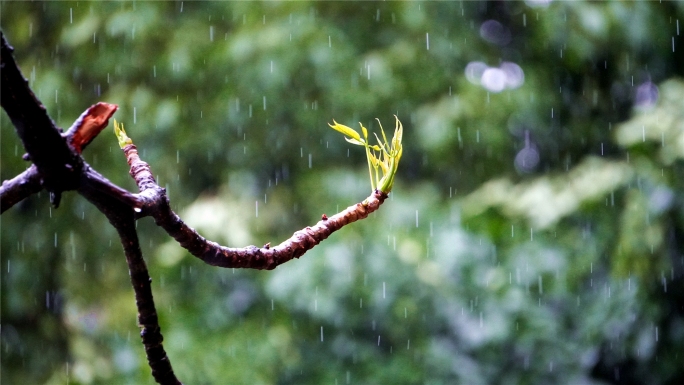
(534, 235)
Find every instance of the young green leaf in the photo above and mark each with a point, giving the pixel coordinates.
(120, 133)
(348, 131)
(383, 158)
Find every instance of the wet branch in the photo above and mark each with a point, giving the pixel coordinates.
(57, 167)
(156, 204)
(122, 217)
(20, 187)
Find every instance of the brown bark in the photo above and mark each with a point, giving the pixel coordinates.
(267, 257)
(57, 164)
(57, 167)
(123, 219)
(20, 187)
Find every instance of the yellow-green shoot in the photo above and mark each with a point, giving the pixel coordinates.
(383, 158)
(121, 136)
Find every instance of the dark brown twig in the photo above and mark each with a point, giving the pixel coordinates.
(267, 257)
(94, 180)
(58, 166)
(122, 218)
(18, 188)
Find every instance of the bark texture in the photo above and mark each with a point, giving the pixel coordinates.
(252, 257)
(57, 167)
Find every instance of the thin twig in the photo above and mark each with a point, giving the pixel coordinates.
(122, 218)
(20, 187)
(267, 257)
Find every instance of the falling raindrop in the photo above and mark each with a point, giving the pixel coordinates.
(541, 290)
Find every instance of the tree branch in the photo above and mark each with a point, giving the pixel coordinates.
(266, 257)
(21, 186)
(57, 164)
(156, 204)
(92, 179)
(122, 218)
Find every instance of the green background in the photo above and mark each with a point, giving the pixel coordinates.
(565, 268)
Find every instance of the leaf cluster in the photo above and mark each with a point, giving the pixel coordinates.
(383, 158)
